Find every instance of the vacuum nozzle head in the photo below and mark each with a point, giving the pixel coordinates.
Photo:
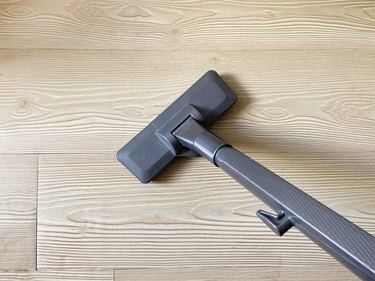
(155, 146)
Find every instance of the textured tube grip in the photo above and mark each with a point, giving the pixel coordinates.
(345, 241)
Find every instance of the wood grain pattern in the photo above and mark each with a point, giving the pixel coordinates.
(18, 194)
(79, 78)
(59, 275)
(167, 24)
(256, 273)
(56, 101)
(93, 213)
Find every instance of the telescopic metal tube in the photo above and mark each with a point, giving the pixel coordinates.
(348, 243)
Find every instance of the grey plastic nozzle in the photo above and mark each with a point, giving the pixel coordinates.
(181, 128)
(195, 137)
(155, 146)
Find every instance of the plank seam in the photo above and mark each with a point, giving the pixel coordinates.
(36, 213)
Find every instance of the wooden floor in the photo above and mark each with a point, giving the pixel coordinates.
(79, 78)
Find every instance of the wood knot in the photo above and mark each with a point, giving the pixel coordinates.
(269, 14)
(134, 111)
(18, 11)
(23, 108)
(213, 60)
(174, 32)
(274, 113)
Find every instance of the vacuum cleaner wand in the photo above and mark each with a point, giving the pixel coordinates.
(181, 130)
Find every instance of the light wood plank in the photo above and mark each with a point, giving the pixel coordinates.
(93, 213)
(256, 273)
(59, 275)
(186, 24)
(18, 193)
(304, 75)
(95, 101)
